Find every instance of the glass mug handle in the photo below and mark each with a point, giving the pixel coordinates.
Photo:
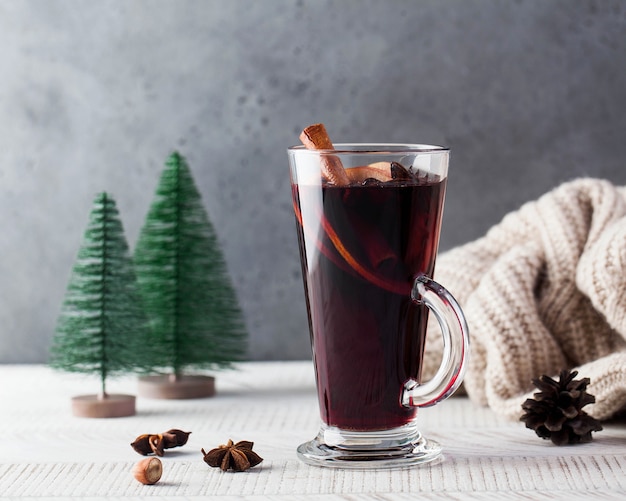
(455, 334)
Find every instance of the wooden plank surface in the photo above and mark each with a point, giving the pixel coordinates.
(46, 452)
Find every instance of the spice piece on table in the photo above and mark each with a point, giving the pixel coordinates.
(556, 413)
(237, 457)
(175, 438)
(149, 444)
(157, 443)
(315, 137)
(148, 471)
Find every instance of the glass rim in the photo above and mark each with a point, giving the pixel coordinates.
(374, 148)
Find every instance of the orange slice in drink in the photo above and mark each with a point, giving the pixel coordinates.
(381, 171)
(344, 256)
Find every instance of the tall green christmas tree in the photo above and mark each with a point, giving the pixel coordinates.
(193, 309)
(102, 320)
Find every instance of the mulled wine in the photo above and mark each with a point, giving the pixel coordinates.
(362, 245)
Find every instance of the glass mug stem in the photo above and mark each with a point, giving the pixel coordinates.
(455, 335)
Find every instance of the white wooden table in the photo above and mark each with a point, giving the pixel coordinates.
(46, 452)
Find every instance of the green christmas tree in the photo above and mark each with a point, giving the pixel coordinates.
(102, 320)
(193, 310)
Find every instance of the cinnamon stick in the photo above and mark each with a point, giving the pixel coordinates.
(315, 137)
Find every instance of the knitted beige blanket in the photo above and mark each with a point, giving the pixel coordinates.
(543, 290)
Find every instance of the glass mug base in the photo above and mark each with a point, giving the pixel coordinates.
(398, 447)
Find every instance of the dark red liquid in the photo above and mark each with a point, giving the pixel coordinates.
(361, 248)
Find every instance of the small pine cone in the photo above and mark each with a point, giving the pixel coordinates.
(556, 413)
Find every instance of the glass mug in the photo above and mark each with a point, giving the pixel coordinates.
(367, 250)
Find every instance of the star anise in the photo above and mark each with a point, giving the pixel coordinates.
(238, 457)
(157, 443)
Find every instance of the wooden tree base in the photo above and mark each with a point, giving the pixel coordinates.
(93, 406)
(183, 387)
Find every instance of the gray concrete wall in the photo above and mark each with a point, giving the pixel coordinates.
(94, 95)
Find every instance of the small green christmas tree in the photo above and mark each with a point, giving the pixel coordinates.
(193, 310)
(102, 320)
